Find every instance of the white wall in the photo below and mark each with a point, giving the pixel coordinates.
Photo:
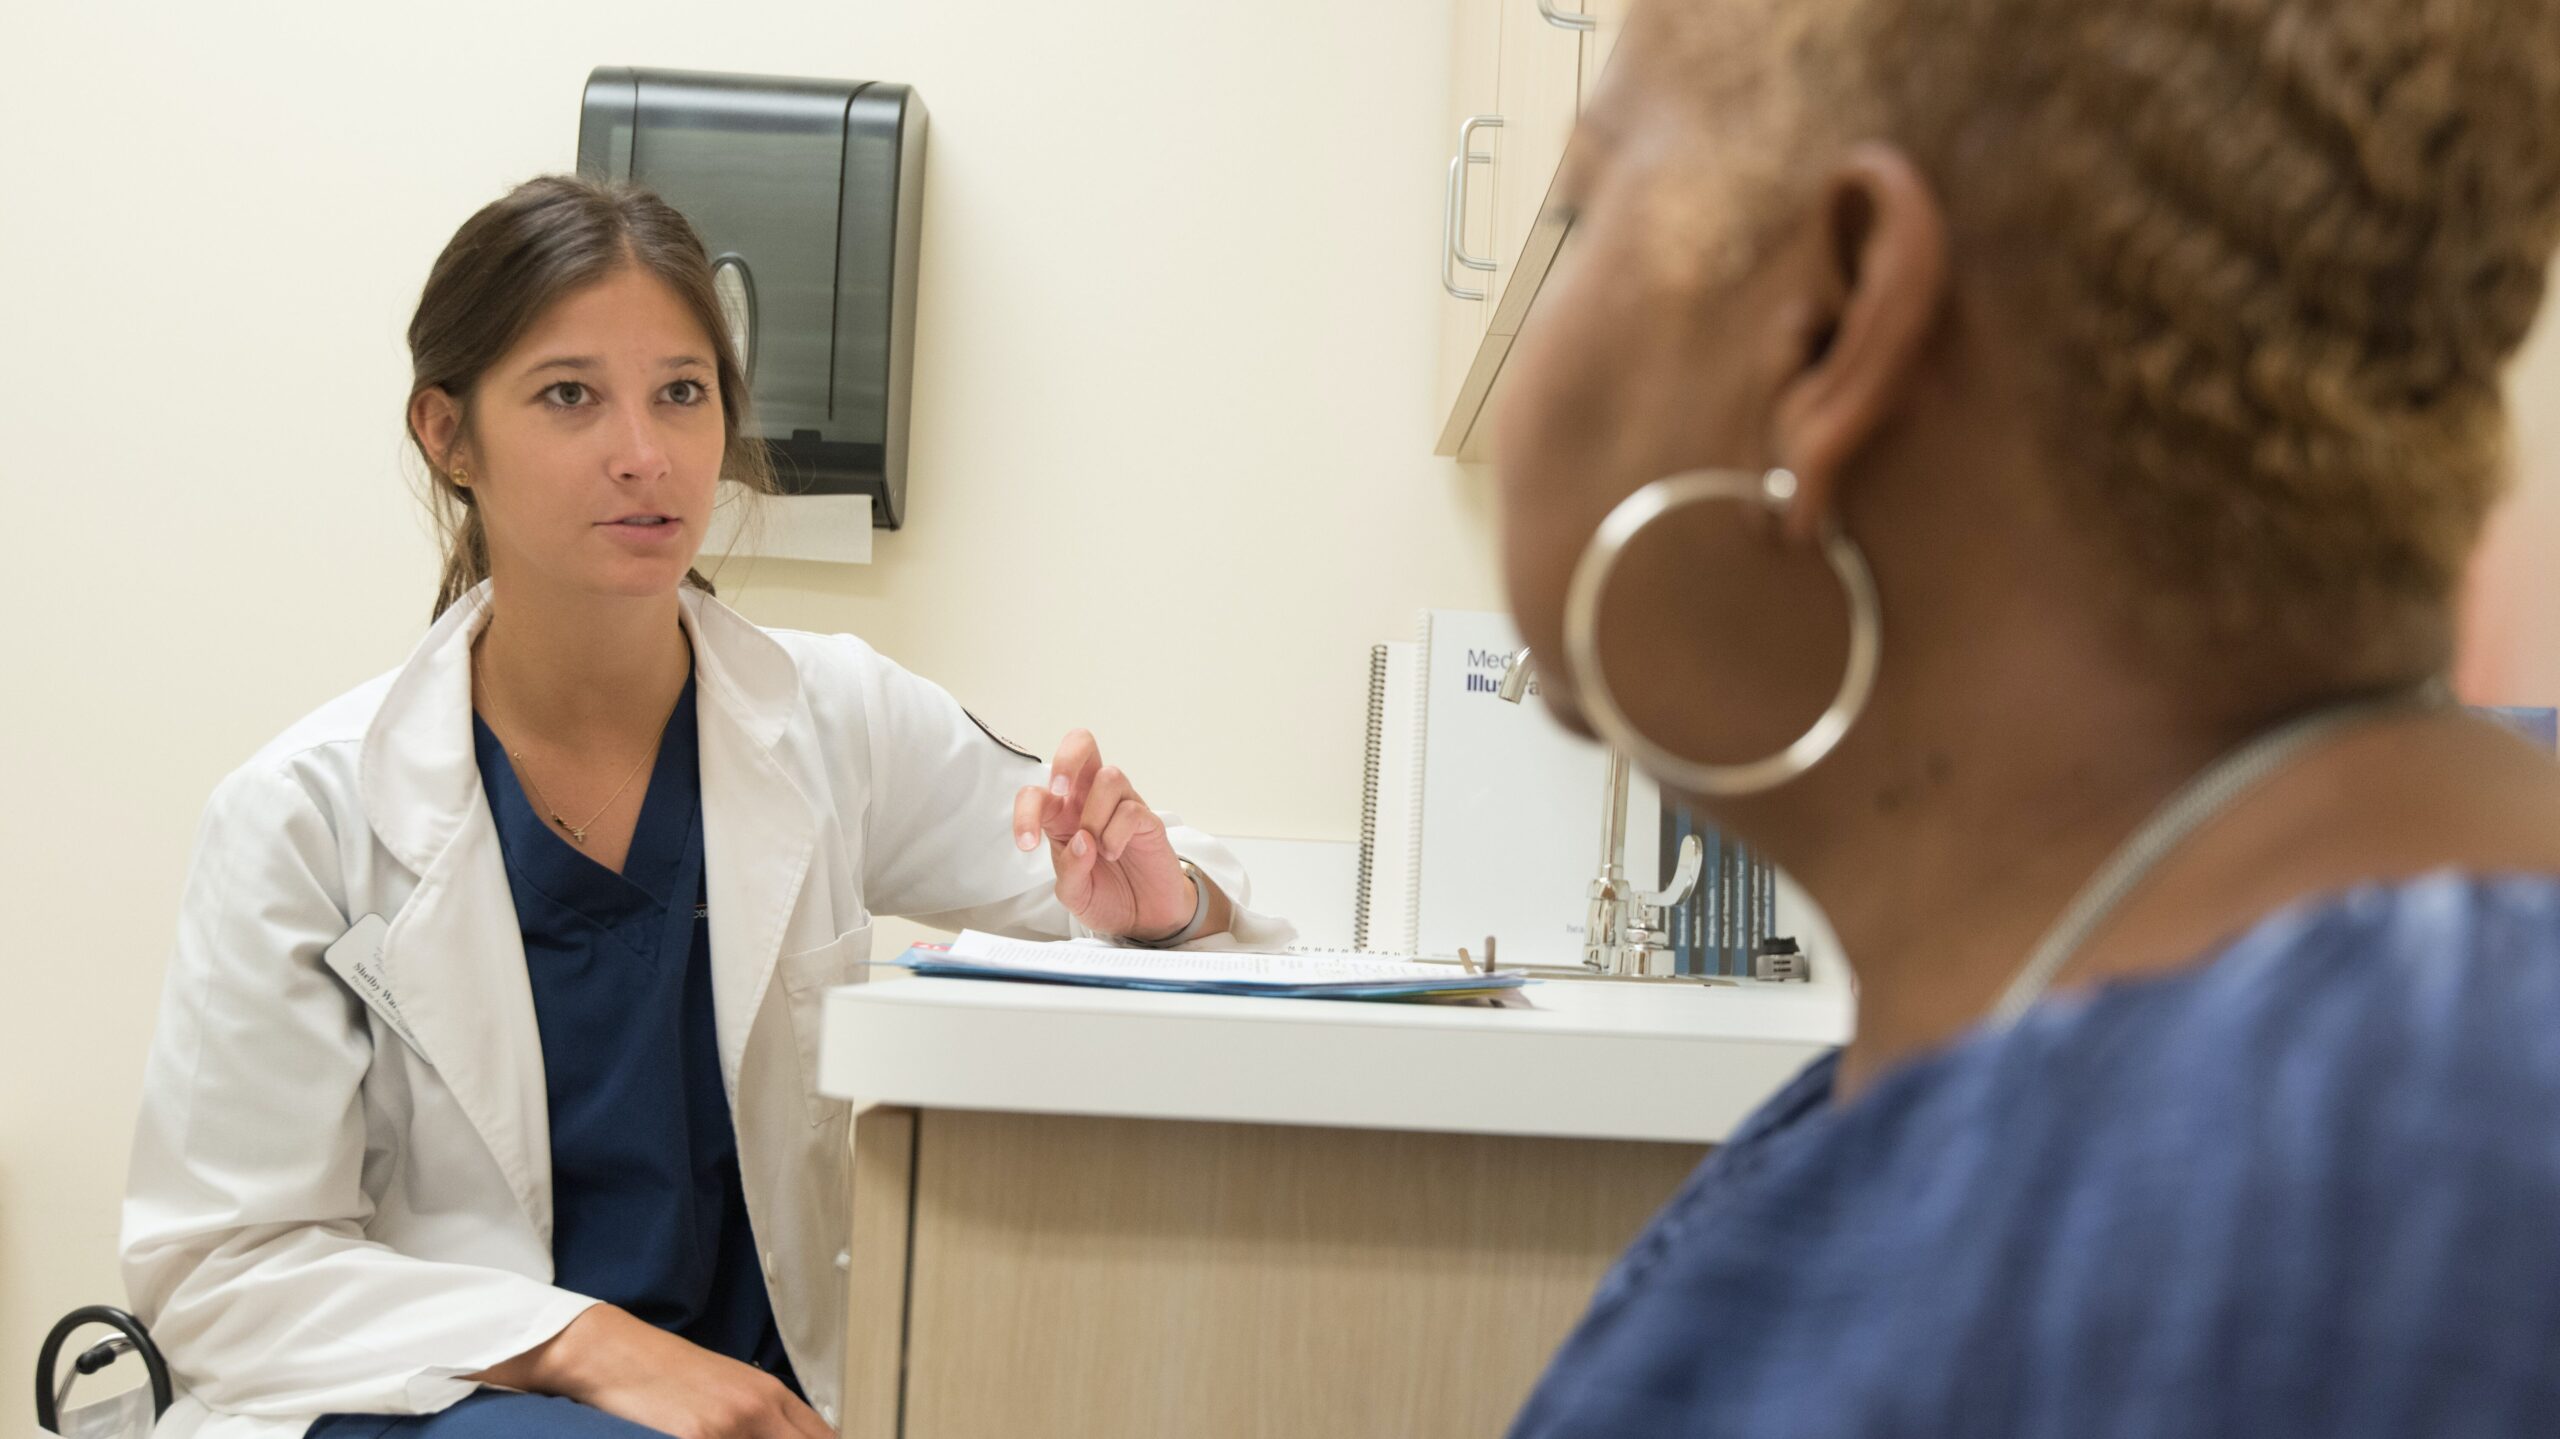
(1172, 429)
(2513, 651)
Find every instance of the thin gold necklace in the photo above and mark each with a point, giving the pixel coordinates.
(576, 832)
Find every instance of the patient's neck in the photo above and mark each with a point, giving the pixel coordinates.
(1951, 836)
(1941, 873)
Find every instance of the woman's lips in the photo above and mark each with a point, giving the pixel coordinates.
(641, 535)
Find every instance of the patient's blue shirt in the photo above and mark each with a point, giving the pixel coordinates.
(2310, 1188)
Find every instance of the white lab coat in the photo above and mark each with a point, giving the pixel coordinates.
(325, 1215)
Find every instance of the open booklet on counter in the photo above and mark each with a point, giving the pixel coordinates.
(1300, 974)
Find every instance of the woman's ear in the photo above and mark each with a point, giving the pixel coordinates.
(435, 418)
(1876, 251)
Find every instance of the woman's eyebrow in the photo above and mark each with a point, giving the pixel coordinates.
(590, 362)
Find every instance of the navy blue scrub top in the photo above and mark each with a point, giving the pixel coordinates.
(648, 1212)
(647, 1209)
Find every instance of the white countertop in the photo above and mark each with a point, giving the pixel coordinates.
(1588, 1059)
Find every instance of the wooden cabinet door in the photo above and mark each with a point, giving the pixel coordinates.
(1539, 63)
(1467, 197)
(1540, 90)
(1054, 1276)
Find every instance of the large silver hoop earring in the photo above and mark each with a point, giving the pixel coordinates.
(1582, 634)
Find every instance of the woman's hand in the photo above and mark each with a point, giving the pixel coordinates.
(607, 1359)
(1116, 868)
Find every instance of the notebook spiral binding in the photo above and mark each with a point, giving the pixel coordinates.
(1369, 796)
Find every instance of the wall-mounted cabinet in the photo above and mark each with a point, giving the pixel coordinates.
(1522, 71)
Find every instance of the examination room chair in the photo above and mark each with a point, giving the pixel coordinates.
(128, 1415)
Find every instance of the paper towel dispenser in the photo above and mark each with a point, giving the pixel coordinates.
(808, 194)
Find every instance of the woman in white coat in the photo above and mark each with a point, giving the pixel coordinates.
(482, 1098)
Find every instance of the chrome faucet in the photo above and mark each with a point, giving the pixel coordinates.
(1622, 934)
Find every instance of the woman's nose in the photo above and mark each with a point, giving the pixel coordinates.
(637, 452)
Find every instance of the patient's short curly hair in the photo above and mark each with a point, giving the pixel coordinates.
(2278, 252)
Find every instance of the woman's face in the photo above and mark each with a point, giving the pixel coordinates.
(1659, 344)
(597, 443)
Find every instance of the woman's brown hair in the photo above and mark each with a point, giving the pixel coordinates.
(521, 254)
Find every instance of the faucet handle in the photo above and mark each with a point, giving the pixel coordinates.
(1693, 858)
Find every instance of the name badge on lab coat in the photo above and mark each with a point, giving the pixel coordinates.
(357, 957)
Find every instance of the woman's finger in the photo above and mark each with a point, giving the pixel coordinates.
(1076, 860)
(1111, 789)
(1030, 814)
(1070, 777)
(804, 1421)
(1127, 823)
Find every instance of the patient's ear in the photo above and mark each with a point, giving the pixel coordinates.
(1873, 265)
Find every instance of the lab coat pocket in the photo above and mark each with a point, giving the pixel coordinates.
(806, 978)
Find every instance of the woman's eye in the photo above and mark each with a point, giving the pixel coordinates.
(688, 392)
(567, 395)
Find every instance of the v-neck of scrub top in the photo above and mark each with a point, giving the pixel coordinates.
(648, 1212)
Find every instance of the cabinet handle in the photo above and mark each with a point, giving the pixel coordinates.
(1449, 235)
(1566, 19)
(1467, 154)
(1454, 216)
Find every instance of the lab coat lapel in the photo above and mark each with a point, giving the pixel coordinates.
(454, 956)
(758, 831)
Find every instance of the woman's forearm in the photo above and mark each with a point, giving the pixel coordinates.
(558, 1364)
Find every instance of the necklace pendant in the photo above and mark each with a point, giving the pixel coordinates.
(575, 834)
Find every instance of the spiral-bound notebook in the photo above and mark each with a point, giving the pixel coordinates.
(1479, 817)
